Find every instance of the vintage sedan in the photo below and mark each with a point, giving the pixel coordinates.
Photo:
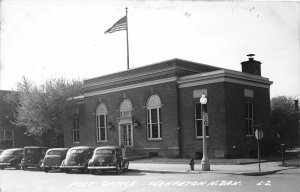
(108, 158)
(77, 158)
(54, 158)
(11, 158)
(33, 157)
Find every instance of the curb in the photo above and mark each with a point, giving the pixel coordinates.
(199, 172)
(154, 171)
(259, 173)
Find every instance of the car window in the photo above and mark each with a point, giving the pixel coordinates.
(54, 152)
(76, 151)
(105, 152)
(18, 152)
(29, 151)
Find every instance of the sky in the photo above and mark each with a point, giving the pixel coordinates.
(42, 39)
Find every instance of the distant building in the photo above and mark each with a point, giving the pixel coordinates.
(11, 136)
(154, 110)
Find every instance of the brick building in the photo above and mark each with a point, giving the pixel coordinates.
(155, 110)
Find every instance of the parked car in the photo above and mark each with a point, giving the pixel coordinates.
(77, 158)
(11, 158)
(33, 157)
(54, 158)
(108, 158)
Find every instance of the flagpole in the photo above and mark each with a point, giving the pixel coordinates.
(127, 39)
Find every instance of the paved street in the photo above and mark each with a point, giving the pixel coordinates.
(27, 181)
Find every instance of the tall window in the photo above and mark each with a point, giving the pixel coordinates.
(125, 108)
(198, 121)
(6, 139)
(76, 138)
(249, 118)
(154, 117)
(101, 122)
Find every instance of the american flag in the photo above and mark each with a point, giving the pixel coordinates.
(118, 26)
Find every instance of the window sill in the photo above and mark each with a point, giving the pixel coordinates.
(102, 141)
(159, 139)
(201, 137)
(249, 135)
(77, 142)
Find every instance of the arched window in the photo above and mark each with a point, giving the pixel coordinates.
(154, 129)
(101, 122)
(125, 108)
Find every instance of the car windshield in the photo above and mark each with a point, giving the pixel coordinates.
(7, 152)
(105, 152)
(29, 150)
(54, 152)
(76, 151)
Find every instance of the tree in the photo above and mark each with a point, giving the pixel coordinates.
(42, 109)
(284, 121)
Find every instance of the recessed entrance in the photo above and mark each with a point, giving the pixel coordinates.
(126, 135)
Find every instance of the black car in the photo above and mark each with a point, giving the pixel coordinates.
(33, 157)
(108, 158)
(11, 158)
(77, 158)
(54, 158)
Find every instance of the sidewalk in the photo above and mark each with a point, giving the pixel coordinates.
(222, 166)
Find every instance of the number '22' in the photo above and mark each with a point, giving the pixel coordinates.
(266, 183)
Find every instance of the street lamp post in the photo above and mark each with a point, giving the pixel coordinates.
(204, 162)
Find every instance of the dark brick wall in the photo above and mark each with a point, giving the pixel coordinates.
(234, 95)
(226, 119)
(216, 113)
(138, 96)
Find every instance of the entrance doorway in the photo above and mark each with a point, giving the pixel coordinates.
(126, 135)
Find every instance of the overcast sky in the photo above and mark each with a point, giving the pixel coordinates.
(41, 39)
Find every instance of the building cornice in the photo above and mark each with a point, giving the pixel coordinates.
(218, 76)
(76, 98)
(224, 75)
(137, 77)
(137, 85)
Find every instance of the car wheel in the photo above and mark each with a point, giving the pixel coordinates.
(24, 168)
(17, 167)
(2, 167)
(126, 166)
(103, 171)
(118, 168)
(92, 171)
(67, 171)
(46, 170)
